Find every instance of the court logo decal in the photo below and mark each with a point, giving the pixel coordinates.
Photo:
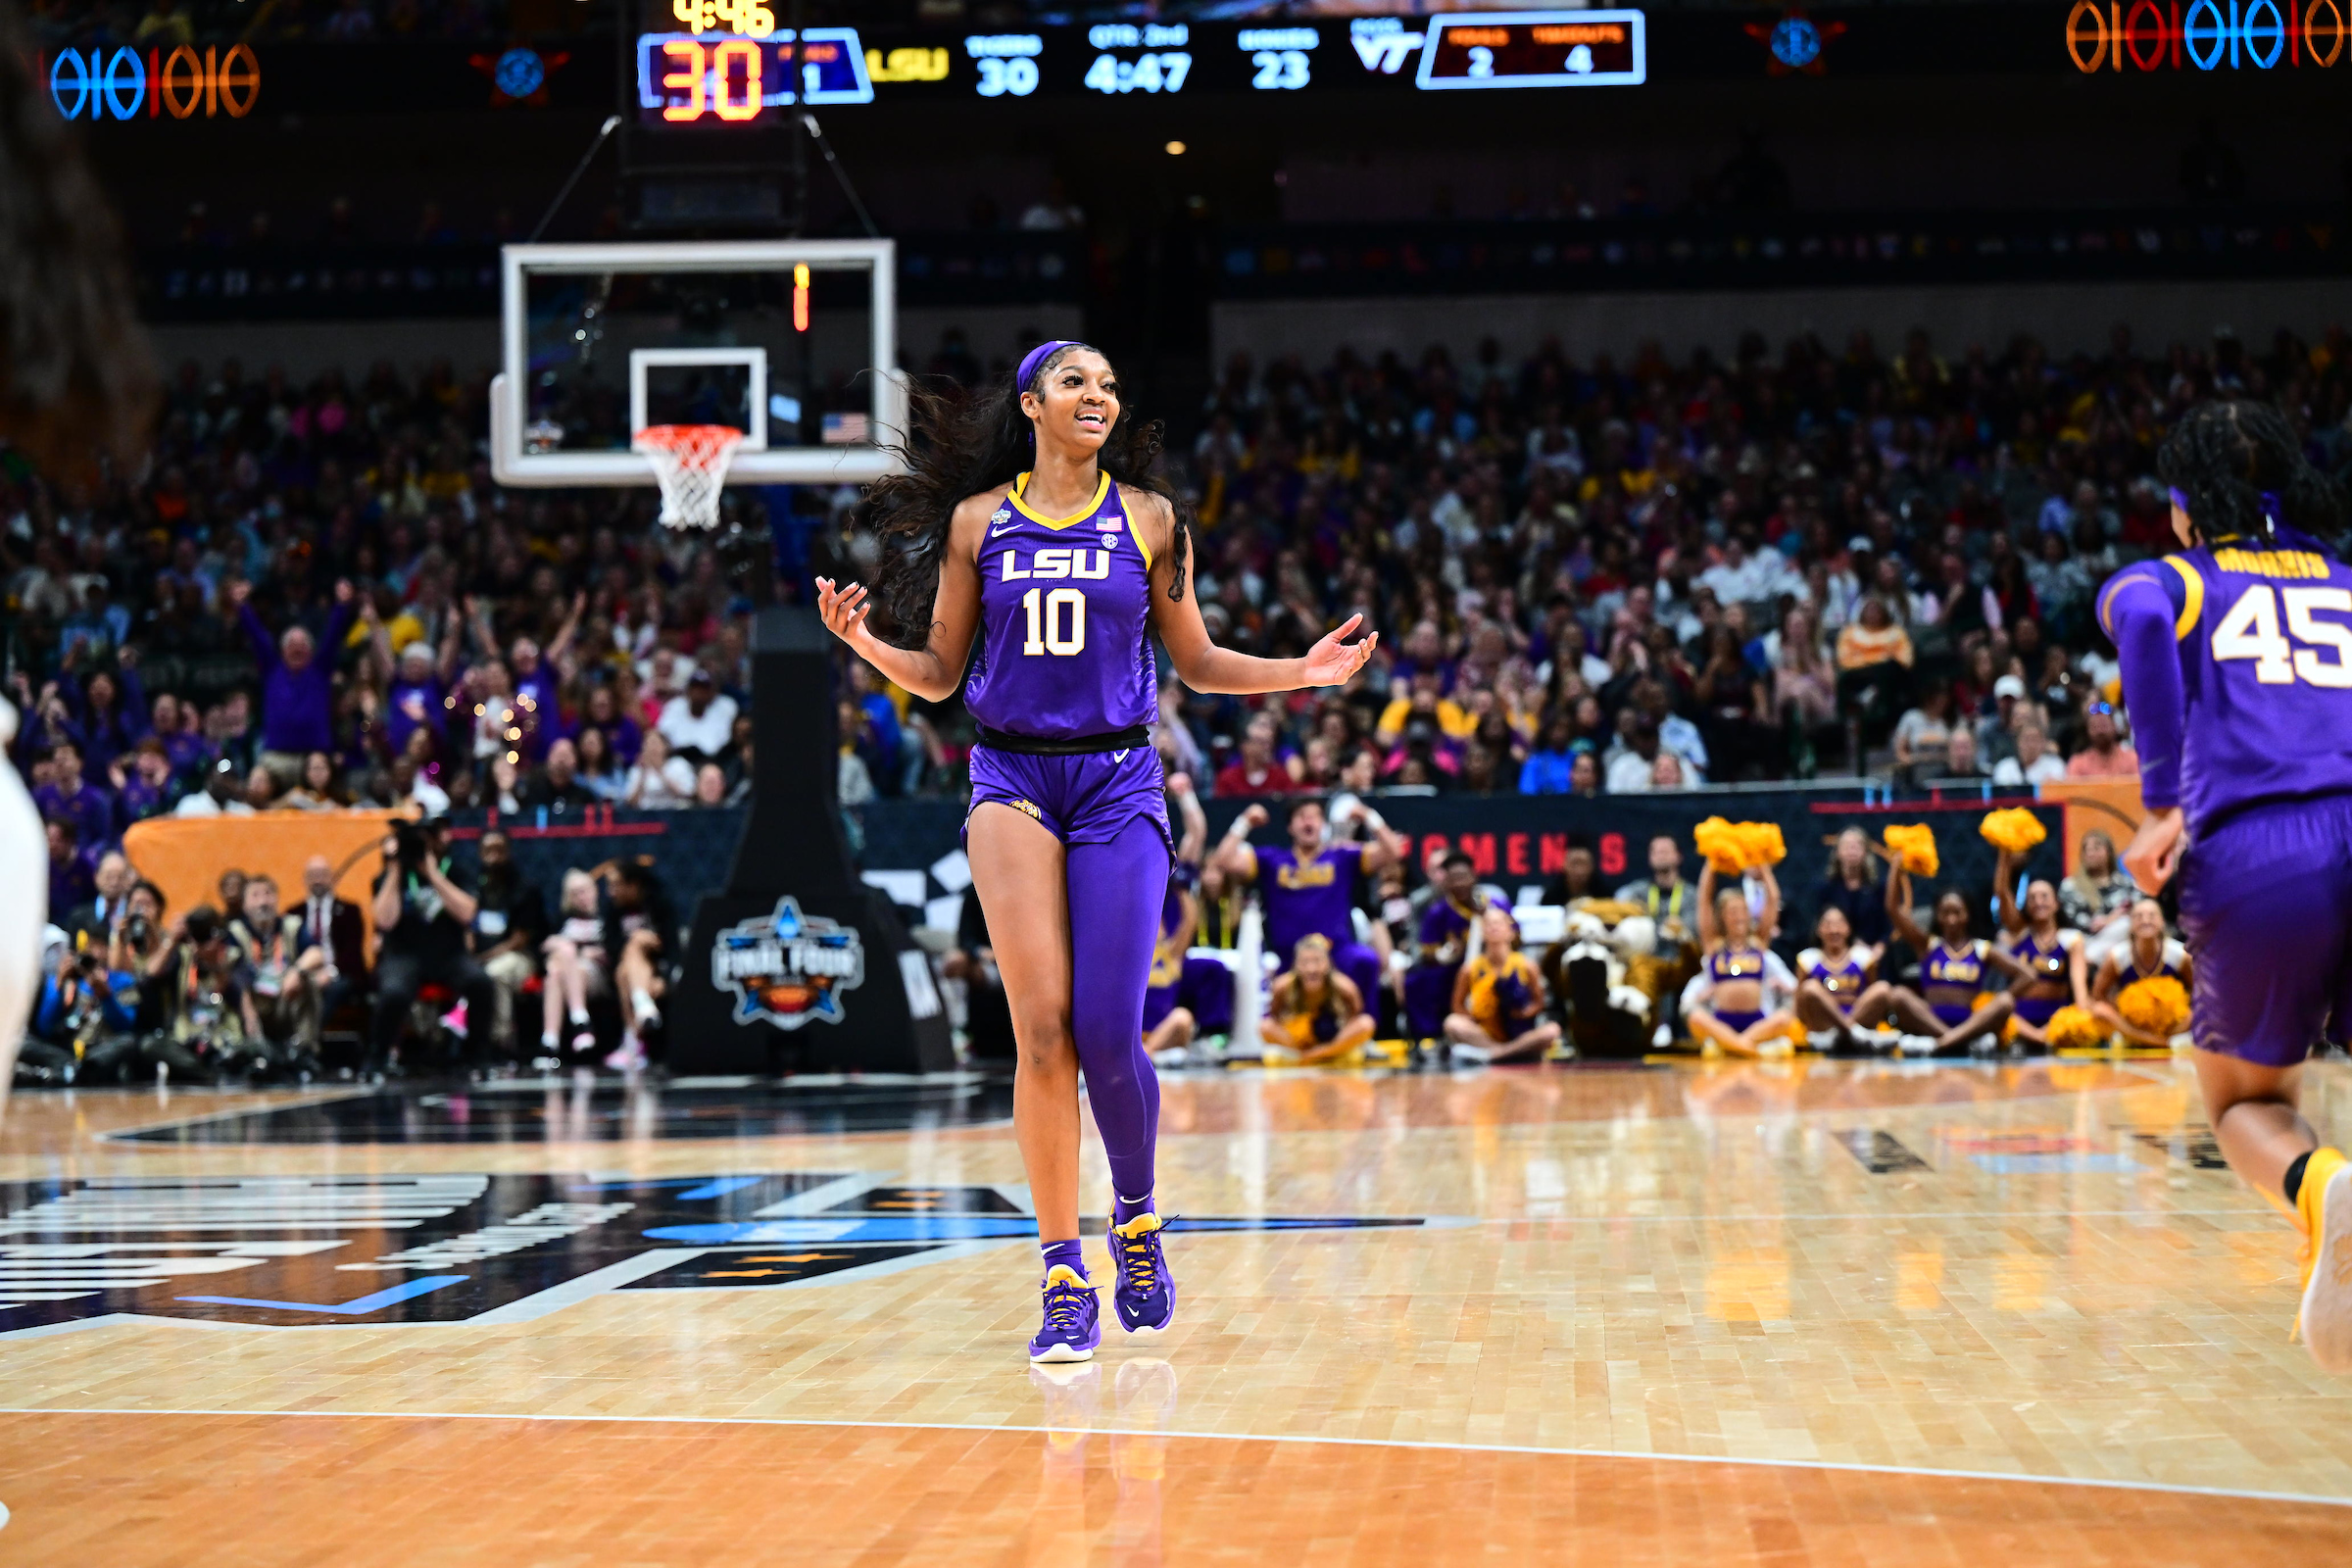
(373, 1252)
(788, 968)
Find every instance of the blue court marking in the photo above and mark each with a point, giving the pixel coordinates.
(365, 1304)
(961, 1228)
(2044, 1164)
(699, 1186)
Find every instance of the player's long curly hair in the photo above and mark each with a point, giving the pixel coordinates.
(2243, 471)
(960, 447)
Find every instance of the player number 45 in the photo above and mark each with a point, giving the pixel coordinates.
(2251, 631)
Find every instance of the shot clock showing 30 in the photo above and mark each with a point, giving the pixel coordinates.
(1534, 49)
(731, 64)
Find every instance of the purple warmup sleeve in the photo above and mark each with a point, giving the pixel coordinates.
(2139, 609)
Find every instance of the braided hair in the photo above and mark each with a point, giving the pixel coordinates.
(2236, 467)
(960, 447)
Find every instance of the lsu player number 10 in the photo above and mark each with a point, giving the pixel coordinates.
(1033, 556)
(2236, 656)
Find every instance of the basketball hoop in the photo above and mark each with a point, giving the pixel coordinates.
(691, 463)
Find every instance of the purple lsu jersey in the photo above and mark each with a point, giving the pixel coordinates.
(2237, 671)
(1063, 604)
(1308, 898)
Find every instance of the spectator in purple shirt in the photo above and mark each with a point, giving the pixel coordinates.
(179, 727)
(114, 709)
(538, 676)
(603, 711)
(71, 797)
(145, 787)
(418, 695)
(48, 721)
(72, 882)
(298, 713)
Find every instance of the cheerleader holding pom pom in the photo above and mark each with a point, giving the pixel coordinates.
(2143, 989)
(1739, 997)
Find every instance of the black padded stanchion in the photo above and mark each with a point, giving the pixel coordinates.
(798, 965)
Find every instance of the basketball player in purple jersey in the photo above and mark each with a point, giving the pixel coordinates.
(2236, 657)
(1032, 526)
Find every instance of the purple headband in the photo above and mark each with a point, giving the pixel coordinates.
(1037, 356)
(2270, 504)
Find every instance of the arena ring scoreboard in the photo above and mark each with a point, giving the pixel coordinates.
(706, 64)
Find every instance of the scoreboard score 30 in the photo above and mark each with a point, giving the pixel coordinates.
(712, 63)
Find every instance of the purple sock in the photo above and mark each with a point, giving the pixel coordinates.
(1070, 1254)
(1124, 1208)
(1116, 889)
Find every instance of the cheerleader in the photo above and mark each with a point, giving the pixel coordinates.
(1739, 997)
(1950, 1009)
(2051, 954)
(1314, 1010)
(1838, 992)
(1499, 999)
(2149, 954)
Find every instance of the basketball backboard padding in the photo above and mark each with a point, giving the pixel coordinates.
(756, 461)
(753, 361)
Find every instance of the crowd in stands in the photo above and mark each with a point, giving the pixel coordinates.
(1604, 578)
(1592, 578)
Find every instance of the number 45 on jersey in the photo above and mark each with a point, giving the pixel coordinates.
(2250, 631)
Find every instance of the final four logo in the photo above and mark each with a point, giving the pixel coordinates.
(786, 967)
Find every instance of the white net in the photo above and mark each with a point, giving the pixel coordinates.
(691, 463)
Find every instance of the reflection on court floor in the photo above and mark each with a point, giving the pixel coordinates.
(1740, 1313)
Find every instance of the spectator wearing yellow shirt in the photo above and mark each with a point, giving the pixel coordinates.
(1425, 696)
(1874, 667)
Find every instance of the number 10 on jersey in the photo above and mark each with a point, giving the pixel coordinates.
(1047, 632)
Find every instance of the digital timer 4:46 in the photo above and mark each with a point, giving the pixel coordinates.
(749, 18)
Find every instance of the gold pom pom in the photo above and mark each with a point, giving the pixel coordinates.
(2156, 1006)
(1760, 843)
(1731, 846)
(1915, 847)
(1719, 841)
(2014, 829)
(2072, 1029)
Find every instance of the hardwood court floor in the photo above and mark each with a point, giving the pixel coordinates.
(1770, 1314)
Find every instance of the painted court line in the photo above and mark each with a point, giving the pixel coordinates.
(1535, 1451)
(375, 1301)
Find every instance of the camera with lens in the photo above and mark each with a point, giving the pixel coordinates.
(410, 847)
(138, 932)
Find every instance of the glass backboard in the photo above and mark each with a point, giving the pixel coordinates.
(793, 342)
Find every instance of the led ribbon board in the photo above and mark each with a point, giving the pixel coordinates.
(2205, 34)
(1533, 49)
(178, 83)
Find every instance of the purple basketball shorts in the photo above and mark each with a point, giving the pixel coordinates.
(1080, 799)
(2266, 905)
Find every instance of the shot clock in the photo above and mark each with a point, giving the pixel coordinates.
(727, 63)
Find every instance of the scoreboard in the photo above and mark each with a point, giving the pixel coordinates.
(1533, 49)
(729, 61)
